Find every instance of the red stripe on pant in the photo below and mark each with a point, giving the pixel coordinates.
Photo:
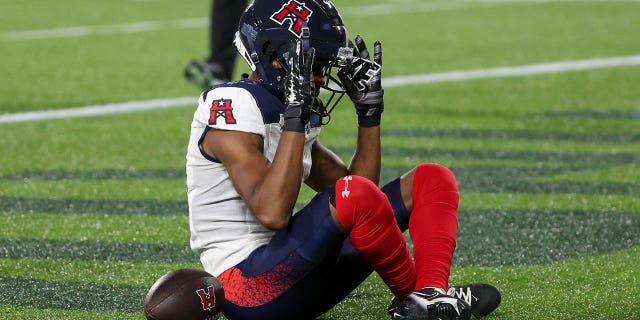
(257, 290)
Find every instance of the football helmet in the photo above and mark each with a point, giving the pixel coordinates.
(267, 28)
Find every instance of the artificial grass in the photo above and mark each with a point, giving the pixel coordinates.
(93, 210)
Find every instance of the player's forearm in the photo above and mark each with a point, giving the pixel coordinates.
(366, 159)
(276, 195)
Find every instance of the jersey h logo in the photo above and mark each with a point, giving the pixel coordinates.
(294, 11)
(207, 297)
(221, 108)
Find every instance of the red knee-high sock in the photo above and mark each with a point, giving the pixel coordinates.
(365, 212)
(434, 224)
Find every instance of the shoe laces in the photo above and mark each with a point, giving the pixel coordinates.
(462, 293)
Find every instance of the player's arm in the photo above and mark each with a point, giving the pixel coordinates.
(367, 157)
(270, 190)
(327, 167)
(363, 82)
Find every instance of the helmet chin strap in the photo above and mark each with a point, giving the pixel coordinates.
(250, 55)
(251, 58)
(305, 37)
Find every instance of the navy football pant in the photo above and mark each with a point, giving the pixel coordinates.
(305, 270)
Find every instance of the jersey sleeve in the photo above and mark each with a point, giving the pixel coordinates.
(231, 108)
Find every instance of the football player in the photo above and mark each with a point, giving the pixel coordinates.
(255, 141)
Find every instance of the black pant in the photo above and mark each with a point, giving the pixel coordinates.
(224, 23)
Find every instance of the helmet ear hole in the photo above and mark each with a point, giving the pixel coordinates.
(275, 61)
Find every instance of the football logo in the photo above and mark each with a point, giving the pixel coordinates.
(346, 192)
(207, 297)
(221, 108)
(297, 13)
(364, 73)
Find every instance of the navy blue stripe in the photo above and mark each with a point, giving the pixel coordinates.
(270, 106)
(205, 93)
(202, 152)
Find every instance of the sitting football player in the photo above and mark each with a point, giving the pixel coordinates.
(255, 141)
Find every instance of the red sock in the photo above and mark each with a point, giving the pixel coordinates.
(366, 214)
(433, 224)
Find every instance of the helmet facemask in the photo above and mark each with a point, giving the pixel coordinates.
(332, 84)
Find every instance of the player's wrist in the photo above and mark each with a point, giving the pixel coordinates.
(370, 121)
(369, 107)
(292, 125)
(369, 115)
(296, 118)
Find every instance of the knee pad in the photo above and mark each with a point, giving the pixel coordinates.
(358, 198)
(434, 177)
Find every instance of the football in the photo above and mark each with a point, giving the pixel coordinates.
(184, 294)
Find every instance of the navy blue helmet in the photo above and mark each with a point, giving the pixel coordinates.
(267, 28)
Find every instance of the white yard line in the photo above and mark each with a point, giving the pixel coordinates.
(79, 31)
(98, 110)
(388, 82)
(407, 6)
(514, 71)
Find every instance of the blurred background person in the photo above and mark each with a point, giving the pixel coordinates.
(219, 66)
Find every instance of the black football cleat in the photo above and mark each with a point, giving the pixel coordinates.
(204, 74)
(409, 308)
(429, 304)
(483, 298)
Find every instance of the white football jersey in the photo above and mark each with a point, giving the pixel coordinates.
(223, 229)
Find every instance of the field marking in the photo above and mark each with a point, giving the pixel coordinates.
(80, 31)
(407, 6)
(98, 110)
(388, 82)
(514, 71)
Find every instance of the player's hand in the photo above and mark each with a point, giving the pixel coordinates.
(362, 80)
(298, 88)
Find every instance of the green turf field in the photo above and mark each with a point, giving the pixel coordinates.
(93, 209)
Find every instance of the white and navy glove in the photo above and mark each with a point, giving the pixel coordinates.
(298, 88)
(362, 79)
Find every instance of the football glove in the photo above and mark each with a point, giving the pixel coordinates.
(298, 88)
(362, 80)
